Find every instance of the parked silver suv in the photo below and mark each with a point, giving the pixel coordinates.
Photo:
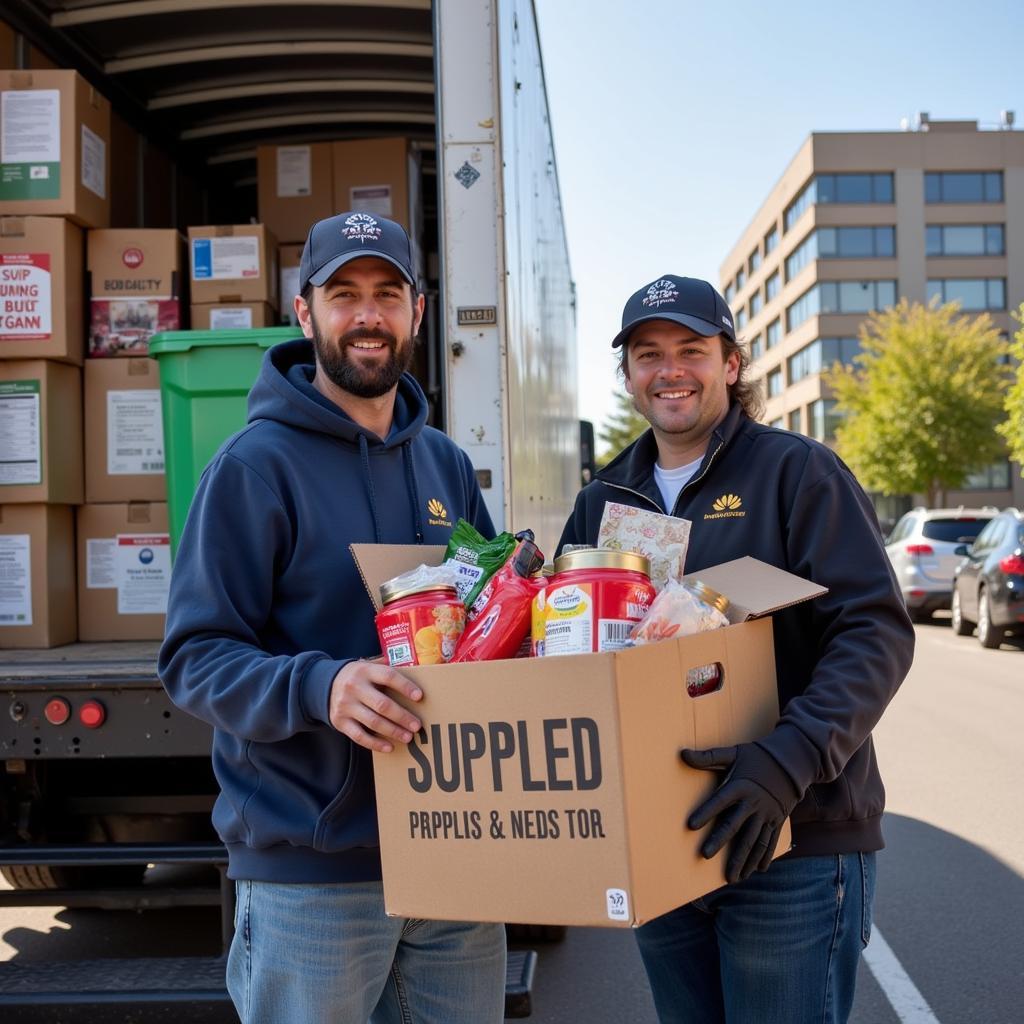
(922, 549)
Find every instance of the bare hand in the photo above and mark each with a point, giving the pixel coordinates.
(360, 708)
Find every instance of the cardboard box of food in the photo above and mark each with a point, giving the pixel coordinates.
(135, 288)
(375, 176)
(288, 259)
(232, 316)
(294, 188)
(54, 147)
(124, 431)
(124, 571)
(41, 295)
(40, 432)
(550, 790)
(233, 263)
(37, 555)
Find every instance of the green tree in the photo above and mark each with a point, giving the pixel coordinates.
(1012, 428)
(623, 427)
(922, 400)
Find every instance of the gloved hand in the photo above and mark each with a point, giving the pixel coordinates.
(753, 800)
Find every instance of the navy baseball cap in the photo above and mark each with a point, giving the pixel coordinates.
(336, 240)
(683, 300)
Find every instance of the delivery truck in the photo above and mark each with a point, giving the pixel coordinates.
(222, 112)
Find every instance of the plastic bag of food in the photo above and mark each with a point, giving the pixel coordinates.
(663, 539)
(681, 609)
(499, 620)
(475, 559)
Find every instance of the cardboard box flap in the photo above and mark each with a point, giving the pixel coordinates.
(756, 588)
(378, 563)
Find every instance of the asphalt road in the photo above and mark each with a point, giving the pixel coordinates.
(950, 902)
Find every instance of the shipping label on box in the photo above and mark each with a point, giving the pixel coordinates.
(233, 257)
(15, 579)
(143, 573)
(135, 432)
(549, 790)
(21, 433)
(30, 144)
(26, 310)
(94, 162)
(294, 171)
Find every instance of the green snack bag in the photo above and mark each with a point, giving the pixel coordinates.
(475, 558)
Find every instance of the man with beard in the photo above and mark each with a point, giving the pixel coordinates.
(780, 943)
(270, 638)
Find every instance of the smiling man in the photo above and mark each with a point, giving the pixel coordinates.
(780, 943)
(270, 638)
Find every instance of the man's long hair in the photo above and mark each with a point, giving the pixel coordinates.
(747, 392)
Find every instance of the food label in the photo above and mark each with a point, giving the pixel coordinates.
(143, 564)
(26, 311)
(30, 144)
(135, 433)
(230, 318)
(126, 325)
(15, 579)
(583, 618)
(294, 177)
(423, 634)
(21, 434)
(231, 258)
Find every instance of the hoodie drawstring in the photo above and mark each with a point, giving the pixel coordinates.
(414, 491)
(364, 452)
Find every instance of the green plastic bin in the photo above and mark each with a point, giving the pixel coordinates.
(205, 379)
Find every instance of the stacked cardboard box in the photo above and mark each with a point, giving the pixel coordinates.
(233, 276)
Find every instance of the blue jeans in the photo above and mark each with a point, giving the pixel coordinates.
(781, 947)
(327, 954)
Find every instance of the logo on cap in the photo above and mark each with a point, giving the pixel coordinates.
(661, 292)
(726, 321)
(361, 227)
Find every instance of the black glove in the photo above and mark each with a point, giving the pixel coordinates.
(754, 799)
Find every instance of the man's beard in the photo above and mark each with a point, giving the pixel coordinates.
(362, 379)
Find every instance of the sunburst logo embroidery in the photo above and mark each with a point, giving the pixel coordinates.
(727, 503)
(435, 508)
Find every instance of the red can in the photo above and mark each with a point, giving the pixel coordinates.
(594, 600)
(419, 625)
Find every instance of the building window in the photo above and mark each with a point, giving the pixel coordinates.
(775, 383)
(756, 348)
(741, 318)
(755, 304)
(958, 187)
(772, 287)
(856, 296)
(778, 423)
(855, 188)
(729, 293)
(794, 421)
(856, 242)
(804, 253)
(823, 419)
(755, 261)
(820, 355)
(804, 308)
(992, 478)
(741, 279)
(774, 333)
(964, 240)
(805, 198)
(771, 240)
(973, 293)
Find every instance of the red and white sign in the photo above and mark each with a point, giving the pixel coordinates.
(132, 258)
(26, 310)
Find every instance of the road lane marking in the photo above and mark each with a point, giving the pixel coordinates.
(903, 995)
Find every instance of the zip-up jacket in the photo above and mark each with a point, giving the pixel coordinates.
(267, 605)
(791, 502)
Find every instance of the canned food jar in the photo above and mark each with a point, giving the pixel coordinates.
(421, 625)
(594, 600)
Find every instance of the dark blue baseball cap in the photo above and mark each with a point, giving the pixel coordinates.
(336, 240)
(683, 300)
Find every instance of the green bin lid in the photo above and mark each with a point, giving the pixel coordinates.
(183, 341)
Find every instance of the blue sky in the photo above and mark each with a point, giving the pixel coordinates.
(672, 120)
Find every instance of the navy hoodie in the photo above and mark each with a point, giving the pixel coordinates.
(267, 605)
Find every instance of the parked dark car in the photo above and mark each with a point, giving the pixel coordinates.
(988, 588)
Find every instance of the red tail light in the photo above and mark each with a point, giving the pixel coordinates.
(1012, 565)
(920, 549)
